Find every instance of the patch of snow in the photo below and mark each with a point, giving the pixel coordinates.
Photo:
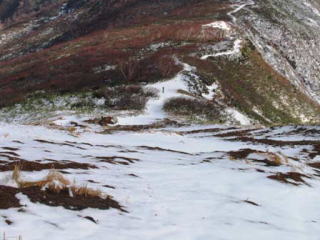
(219, 24)
(158, 200)
(313, 9)
(211, 91)
(104, 68)
(239, 8)
(238, 116)
(235, 51)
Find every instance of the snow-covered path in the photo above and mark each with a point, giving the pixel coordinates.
(166, 90)
(227, 27)
(238, 8)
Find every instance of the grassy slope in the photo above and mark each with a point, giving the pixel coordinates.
(250, 84)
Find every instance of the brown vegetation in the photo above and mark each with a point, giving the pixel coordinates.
(293, 178)
(194, 108)
(72, 54)
(36, 166)
(55, 190)
(271, 159)
(125, 97)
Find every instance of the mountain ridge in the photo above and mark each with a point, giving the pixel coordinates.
(93, 44)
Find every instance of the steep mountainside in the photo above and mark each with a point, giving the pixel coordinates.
(159, 119)
(286, 33)
(256, 58)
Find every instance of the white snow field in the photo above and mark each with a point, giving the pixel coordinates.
(184, 184)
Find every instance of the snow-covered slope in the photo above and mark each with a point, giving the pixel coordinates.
(193, 182)
(172, 180)
(286, 33)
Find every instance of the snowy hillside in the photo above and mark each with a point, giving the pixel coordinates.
(159, 120)
(191, 182)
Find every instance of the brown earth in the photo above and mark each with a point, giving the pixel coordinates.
(36, 166)
(293, 178)
(64, 53)
(7, 197)
(63, 199)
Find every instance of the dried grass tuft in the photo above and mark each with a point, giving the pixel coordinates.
(57, 183)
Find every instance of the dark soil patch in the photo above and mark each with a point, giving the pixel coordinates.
(289, 177)
(13, 154)
(87, 144)
(304, 131)
(8, 198)
(267, 162)
(241, 154)
(9, 157)
(244, 153)
(133, 175)
(91, 219)
(115, 160)
(277, 143)
(207, 130)
(235, 133)
(128, 151)
(63, 199)
(10, 148)
(92, 181)
(315, 152)
(315, 165)
(136, 128)
(251, 203)
(36, 166)
(59, 144)
(8, 222)
(162, 150)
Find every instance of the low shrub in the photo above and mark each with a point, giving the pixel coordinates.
(194, 108)
(126, 97)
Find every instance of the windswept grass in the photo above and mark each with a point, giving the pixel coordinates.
(56, 182)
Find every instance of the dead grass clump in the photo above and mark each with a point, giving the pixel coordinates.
(54, 179)
(56, 190)
(293, 178)
(55, 182)
(85, 191)
(271, 159)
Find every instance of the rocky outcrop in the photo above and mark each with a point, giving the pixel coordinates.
(287, 35)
